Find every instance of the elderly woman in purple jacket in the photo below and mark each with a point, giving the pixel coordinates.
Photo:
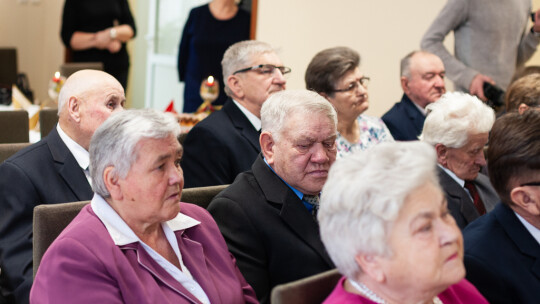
(136, 242)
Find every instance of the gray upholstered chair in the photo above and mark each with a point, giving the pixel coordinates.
(14, 127)
(48, 118)
(310, 290)
(201, 196)
(6, 150)
(49, 221)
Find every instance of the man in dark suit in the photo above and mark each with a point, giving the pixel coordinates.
(227, 142)
(267, 215)
(52, 171)
(502, 249)
(458, 127)
(422, 80)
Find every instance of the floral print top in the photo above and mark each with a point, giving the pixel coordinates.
(372, 131)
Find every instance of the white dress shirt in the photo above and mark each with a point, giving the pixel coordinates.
(81, 155)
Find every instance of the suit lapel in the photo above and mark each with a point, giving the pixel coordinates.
(416, 117)
(293, 212)
(487, 194)
(459, 196)
(68, 168)
(240, 122)
(526, 243)
(160, 274)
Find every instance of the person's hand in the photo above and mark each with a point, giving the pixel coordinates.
(536, 25)
(477, 86)
(102, 39)
(114, 46)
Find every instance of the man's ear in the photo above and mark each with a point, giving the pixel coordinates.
(526, 200)
(442, 154)
(522, 108)
(404, 84)
(74, 108)
(235, 85)
(266, 140)
(111, 180)
(371, 266)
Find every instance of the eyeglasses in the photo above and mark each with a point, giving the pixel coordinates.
(268, 69)
(364, 81)
(531, 184)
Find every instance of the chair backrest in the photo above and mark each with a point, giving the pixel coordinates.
(49, 221)
(6, 150)
(47, 120)
(14, 127)
(66, 69)
(310, 290)
(201, 196)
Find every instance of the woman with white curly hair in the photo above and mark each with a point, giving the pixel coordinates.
(384, 221)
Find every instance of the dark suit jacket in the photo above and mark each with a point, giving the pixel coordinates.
(502, 258)
(219, 147)
(269, 230)
(404, 120)
(460, 204)
(43, 173)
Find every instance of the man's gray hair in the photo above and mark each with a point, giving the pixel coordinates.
(405, 65)
(115, 142)
(454, 117)
(363, 196)
(281, 105)
(240, 56)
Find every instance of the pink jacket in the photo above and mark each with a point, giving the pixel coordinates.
(83, 265)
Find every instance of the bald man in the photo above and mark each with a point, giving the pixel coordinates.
(52, 171)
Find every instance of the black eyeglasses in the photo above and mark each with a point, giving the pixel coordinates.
(531, 184)
(364, 81)
(266, 69)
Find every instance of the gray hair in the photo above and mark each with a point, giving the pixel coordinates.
(114, 142)
(363, 196)
(280, 105)
(454, 117)
(405, 65)
(241, 55)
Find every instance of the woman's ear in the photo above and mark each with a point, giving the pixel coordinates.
(371, 266)
(111, 180)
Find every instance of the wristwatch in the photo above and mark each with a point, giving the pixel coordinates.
(112, 33)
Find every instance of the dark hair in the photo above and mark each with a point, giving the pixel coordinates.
(524, 71)
(514, 151)
(328, 66)
(524, 90)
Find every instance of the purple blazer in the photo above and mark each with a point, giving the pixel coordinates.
(462, 292)
(83, 265)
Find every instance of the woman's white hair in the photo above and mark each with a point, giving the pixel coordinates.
(115, 142)
(455, 116)
(363, 196)
(240, 56)
(280, 105)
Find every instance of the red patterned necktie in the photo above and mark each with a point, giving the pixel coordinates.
(476, 197)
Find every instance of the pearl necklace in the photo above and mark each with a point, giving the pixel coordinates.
(374, 297)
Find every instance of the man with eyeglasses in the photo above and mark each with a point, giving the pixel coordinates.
(227, 142)
(502, 248)
(422, 80)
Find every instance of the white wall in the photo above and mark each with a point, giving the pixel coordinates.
(381, 31)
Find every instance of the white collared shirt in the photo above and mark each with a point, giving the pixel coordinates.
(122, 235)
(422, 110)
(255, 121)
(535, 232)
(79, 153)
